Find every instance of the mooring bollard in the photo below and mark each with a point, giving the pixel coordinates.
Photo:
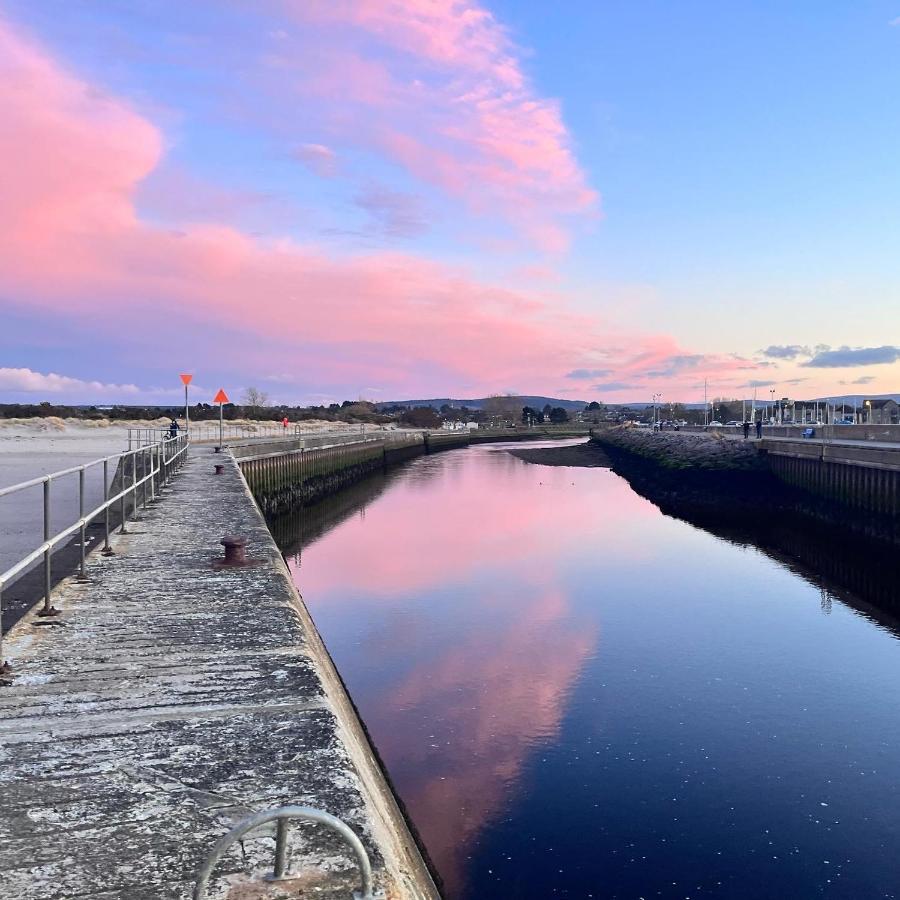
(220, 468)
(235, 550)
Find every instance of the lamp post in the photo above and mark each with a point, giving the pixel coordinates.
(772, 413)
(869, 412)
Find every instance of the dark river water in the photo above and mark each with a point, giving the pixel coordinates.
(577, 696)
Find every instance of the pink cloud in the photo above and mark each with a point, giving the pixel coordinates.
(26, 381)
(453, 106)
(73, 159)
(70, 229)
(320, 159)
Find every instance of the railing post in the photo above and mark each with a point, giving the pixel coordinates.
(153, 452)
(134, 487)
(106, 548)
(5, 668)
(122, 505)
(82, 572)
(144, 478)
(47, 609)
(281, 848)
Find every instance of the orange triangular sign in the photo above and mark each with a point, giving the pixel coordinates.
(221, 397)
(186, 379)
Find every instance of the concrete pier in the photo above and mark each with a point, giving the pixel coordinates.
(171, 699)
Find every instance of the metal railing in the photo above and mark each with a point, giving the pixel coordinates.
(282, 816)
(151, 466)
(204, 432)
(207, 431)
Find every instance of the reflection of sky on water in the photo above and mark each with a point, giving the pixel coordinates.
(567, 686)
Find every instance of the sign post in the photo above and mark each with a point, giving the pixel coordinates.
(186, 380)
(221, 398)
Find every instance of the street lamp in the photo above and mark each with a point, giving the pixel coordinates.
(772, 413)
(869, 412)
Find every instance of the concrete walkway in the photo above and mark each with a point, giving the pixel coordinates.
(172, 699)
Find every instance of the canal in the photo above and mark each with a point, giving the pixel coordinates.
(577, 696)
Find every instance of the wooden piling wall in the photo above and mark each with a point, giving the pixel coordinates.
(861, 487)
(279, 481)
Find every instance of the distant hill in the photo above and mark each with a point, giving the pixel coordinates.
(527, 400)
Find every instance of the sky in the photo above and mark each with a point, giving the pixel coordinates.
(387, 199)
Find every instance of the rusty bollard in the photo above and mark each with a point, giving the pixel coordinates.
(220, 468)
(235, 550)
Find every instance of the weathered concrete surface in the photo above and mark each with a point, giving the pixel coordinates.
(171, 700)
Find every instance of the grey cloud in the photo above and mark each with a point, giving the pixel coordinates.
(613, 386)
(588, 373)
(755, 384)
(857, 356)
(320, 159)
(395, 214)
(785, 351)
(675, 364)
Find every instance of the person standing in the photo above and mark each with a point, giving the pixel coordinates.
(746, 430)
(758, 429)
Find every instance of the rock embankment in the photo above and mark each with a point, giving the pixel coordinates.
(678, 450)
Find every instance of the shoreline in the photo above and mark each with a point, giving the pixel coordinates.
(588, 455)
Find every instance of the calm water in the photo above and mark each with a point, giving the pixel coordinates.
(576, 696)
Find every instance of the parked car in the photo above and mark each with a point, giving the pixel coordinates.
(733, 422)
(714, 424)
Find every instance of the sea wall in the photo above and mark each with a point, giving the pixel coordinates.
(714, 479)
(282, 480)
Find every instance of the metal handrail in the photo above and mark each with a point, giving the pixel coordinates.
(359, 439)
(158, 463)
(282, 816)
(203, 431)
(208, 431)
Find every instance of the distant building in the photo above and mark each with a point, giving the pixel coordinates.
(882, 412)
